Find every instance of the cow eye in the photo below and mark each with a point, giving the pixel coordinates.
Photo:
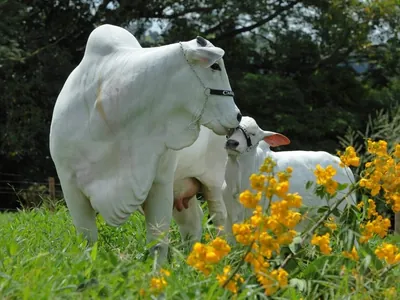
(216, 67)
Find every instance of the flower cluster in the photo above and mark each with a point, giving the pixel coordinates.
(268, 230)
(349, 157)
(389, 252)
(353, 255)
(383, 173)
(203, 257)
(275, 217)
(376, 224)
(324, 177)
(232, 285)
(322, 241)
(157, 283)
(276, 279)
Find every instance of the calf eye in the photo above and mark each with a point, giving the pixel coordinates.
(216, 67)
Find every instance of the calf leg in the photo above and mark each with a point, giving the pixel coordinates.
(189, 221)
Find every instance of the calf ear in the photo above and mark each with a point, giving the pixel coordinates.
(205, 56)
(275, 139)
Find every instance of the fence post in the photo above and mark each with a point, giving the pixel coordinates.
(52, 188)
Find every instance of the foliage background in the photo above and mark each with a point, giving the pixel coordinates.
(314, 70)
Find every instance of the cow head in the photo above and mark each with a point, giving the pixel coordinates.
(248, 135)
(215, 108)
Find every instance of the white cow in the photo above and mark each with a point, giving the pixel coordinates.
(247, 149)
(120, 116)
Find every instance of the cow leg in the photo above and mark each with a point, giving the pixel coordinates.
(189, 221)
(81, 211)
(231, 212)
(216, 206)
(397, 223)
(158, 214)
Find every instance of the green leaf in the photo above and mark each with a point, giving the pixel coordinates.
(309, 184)
(342, 186)
(300, 284)
(211, 290)
(322, 209)
(93, 253)
(13, 248)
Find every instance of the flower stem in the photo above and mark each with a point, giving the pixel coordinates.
(320, 221)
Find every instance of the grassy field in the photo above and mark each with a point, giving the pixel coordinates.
(41, 257)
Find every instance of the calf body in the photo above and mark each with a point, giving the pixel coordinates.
(247, 149)
(200, 167)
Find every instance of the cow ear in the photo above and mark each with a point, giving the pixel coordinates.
(275, 139)
(204, 56)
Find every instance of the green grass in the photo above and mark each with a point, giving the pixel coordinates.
(41, 257)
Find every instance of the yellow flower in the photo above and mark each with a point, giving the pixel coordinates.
(243, 233)
(353, 255)
(322, 242)
(294, 200)
(203, 257)
(360, 205)
(395, 201)
(221, 247)
(331, 186)
(268, 245)
(286, 238)
(165, 272)
(233, 282)
(371, 209)
(390, 293)
(281, 189)
(324, 177)
(379, 226)
(349, 158)
(388, 252)
(331, 225)
(397, 151)
(249, 200)
(157, 284)
(257, 182)
(379, 148)
(284, 176)
(273, 281)
(268, 165)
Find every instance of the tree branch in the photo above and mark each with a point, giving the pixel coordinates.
(257, 24)
(216, 27)
(190, 10)
(336, 56)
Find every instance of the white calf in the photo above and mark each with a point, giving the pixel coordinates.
(200, 167)
(247, 149)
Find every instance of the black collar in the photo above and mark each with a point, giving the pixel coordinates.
(248, 140)
(228, 93)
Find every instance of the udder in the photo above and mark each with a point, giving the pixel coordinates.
(184, 190)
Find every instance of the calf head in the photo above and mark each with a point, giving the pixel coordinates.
(248, 135)
(215, 108)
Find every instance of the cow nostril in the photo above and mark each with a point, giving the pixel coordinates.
(239, 117)
(232, 143)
